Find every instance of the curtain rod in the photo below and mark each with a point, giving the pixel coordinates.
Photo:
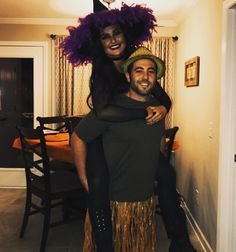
(175, 38)
(53, 36)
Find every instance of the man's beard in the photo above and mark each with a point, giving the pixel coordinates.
(144, 93)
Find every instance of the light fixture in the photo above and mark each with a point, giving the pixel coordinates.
(109, 2)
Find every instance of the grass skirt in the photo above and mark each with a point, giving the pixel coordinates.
(134, 227)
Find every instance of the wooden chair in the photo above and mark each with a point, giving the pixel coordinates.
(61, 124)
(169, 136)
(72, 122)
(50, 187)
(166, 151)
(57, 124)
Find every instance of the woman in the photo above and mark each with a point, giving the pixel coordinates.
(106, 39)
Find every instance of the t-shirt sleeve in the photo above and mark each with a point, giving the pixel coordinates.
(90, 127)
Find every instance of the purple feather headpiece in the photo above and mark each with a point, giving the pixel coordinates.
(138, 22)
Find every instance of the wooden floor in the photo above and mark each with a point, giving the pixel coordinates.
(66, 238)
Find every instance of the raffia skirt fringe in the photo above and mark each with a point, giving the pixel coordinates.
(134, 227)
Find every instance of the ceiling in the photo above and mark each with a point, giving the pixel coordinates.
(67, 11)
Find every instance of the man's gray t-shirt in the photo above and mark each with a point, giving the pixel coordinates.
(131, 150)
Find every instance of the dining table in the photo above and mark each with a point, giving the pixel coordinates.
(58, 146)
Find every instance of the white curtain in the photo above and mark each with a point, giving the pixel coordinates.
(71, 84)
(164, 48)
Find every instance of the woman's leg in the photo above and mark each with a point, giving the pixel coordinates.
(172, 213)
(98, 202)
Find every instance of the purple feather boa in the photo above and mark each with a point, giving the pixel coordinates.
(137, 20)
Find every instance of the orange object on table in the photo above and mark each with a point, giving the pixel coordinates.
(58, 146)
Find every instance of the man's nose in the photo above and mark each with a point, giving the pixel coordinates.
(145, 75)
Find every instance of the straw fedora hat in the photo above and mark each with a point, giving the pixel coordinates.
(144, 53)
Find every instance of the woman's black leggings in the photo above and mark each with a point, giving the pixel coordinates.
(98, 199)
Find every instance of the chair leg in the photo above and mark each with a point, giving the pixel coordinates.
(46, 225)
(26, 213)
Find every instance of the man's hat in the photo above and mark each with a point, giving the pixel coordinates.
(144, 53)
(137, 21)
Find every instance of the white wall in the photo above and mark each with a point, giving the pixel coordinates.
(196, 112)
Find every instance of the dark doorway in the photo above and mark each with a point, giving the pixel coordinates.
(16, 105)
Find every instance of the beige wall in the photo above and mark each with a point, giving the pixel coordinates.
(30, 32)
(166, 32)
(195, 110)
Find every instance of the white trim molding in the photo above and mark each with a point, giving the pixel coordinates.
(197, 231)
(38, 50)
(226, 219)
(15, 177)
(12, 178)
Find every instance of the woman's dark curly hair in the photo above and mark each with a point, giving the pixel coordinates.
(80, 47)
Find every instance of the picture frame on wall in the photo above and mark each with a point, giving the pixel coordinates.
(191, 72)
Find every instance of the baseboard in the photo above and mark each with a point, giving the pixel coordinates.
(12, 178)
(200, 236)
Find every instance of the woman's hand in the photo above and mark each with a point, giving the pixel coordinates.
(155, 114)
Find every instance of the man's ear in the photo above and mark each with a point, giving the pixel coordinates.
(127, 75)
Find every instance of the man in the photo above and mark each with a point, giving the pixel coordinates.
(131, 150)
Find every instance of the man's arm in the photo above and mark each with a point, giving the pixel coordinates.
(79, 149)
(89, 128)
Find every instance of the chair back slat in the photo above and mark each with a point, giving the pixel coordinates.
(36, 167)
(59, 123)
(169, 137)
(54, 123)
(72, 122)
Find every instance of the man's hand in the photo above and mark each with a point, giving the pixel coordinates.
(155, 114)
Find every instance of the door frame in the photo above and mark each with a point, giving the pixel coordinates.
(38, 50)
(226, 219)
